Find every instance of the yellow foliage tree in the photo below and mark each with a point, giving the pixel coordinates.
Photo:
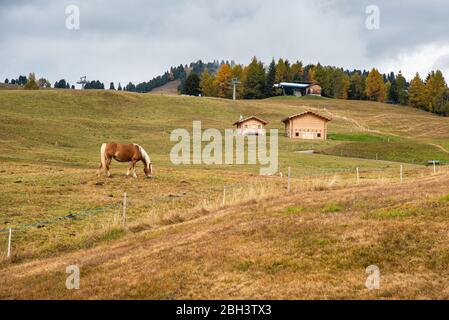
(237, 72)
(223, 81)
(417, 93)
(375, 88)
(31, 83)
(207, 84)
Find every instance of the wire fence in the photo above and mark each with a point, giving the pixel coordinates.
(279, 184)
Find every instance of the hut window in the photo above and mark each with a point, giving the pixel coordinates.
(297, 134)
(318, 135)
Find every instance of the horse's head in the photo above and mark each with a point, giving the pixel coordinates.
(148, 170)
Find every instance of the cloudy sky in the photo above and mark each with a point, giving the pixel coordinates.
(134, 40)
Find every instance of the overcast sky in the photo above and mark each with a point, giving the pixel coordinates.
(134, 40)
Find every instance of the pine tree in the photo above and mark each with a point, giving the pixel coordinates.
(392, 89)
(324, 76)
(270, 80)
(111, 86)
(223, 81)
(402, 89)
(254, 84)
(357, 86)
(416, 97)
(192, 85)
(340, 84)
(6, 81)
(119, 87)
(375, 87)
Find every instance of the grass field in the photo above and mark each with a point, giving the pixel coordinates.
(178, 227)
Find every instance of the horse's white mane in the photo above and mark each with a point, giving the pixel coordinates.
(144, 155)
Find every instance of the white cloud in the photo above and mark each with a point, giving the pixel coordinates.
(125, 41)
(421, 60)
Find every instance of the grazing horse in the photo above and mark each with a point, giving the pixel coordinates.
(124, 153)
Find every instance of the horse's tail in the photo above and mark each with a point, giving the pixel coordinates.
(103, 155)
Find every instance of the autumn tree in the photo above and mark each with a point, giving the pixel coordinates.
(435, 92)
(208, 85)
(296, 71)
(417, 96)
(310, 73)
(237, 72)
(283, 71)
(375, 87)
(31, 83)
(223, 81)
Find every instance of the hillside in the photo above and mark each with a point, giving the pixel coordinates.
(305, 246)
(168, 88)
(49, 153)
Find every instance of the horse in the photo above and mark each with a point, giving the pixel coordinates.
(124, 153)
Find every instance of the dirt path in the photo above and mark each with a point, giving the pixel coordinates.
(438, 146)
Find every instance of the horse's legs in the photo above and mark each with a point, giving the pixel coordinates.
(108, 163)
(129, 169)
(134, 169)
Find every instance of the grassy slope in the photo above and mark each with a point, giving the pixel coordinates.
(49, 151)
(308, 245)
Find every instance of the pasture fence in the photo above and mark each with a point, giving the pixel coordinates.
(234, 193)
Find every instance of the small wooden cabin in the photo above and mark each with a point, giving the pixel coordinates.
(250, 125)
(307, 125)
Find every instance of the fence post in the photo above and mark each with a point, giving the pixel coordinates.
(434, 168)
(224, 196)
(358, 176)
(9, 242)
(124, 211)
(288, 184)
(401, 172)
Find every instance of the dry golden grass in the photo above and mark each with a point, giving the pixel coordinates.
(312, 244)
(181, 240)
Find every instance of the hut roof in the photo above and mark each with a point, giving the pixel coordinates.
(305, 113)
(249, 118)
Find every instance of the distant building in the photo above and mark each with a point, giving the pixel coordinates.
(250, 125)
(298, 89)
(306, 125)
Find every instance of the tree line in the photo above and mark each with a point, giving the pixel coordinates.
(257, 80)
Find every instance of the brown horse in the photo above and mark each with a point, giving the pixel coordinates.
(124, 153)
